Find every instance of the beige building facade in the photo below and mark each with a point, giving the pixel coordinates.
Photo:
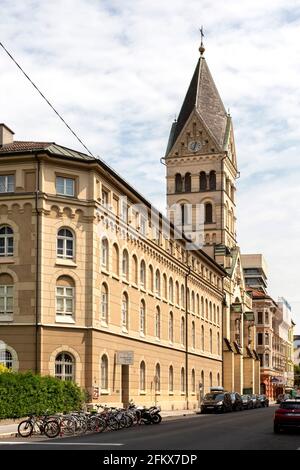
(97, 287)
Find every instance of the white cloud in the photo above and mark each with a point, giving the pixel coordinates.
(118, 72)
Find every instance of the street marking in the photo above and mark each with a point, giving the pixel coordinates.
(10, 443)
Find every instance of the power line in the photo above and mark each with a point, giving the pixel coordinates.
(44, 97)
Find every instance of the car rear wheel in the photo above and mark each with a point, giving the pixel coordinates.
(276, 429)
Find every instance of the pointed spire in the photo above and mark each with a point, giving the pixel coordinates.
(203, 97)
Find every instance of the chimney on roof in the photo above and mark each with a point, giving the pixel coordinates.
(6, 135)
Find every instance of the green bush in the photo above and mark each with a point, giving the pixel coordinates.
(22, 394)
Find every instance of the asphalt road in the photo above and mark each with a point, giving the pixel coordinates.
(246, 430)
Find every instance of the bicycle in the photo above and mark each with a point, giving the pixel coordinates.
(39, 424)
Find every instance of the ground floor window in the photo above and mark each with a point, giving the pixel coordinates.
(64, 367)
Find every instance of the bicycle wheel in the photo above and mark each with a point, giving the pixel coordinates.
(52, 428)
(25, 428)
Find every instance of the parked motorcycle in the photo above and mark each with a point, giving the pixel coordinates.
(147, 415)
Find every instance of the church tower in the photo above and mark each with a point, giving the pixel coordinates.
(201, 166)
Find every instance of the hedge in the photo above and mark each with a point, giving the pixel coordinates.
(25, 393)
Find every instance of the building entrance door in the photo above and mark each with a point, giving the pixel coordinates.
(125, 384)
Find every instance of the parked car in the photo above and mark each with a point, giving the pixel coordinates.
(282, 396)
(216, 402)
(264, 400)
(287, 415)
(237, 402)
(255, 401)
(247, 402)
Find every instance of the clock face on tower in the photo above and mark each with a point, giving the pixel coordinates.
(194, 146)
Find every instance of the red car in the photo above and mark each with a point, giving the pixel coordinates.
(287, 415)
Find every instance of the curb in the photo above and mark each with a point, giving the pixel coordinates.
(9, 434)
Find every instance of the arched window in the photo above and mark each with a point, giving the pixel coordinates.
(193, 301)
(65, 296)
(182, 380)
(203, 181)
(125, 264)
(134, 269)
(210, 341)
(206, 309)
(202, 338)
(171, 290)
(182, 296)
(214, 310)
(157, 322)
(202, 307)
(64, 367)
(202, 380)
(218, 315)
(104, 303)
(208, 213)
(65, 244)
(157, 282)
(193, 381)
(125, 310)
(151, 281)
(143, 317)
(193, 335)
(218, 379)
(157, 378)
(178, 183)
(143, 273)
(218, 340)
(171, 327)
(116, 259)
(104, 372)
(210, 379)
(6, 241)
(6, 295)
(165, 286)
(142, 376)
(197, 305)
(187, 182)
(6, 359)
(171, 379)
(212, 181)
(210, 311)
(188, 299)
(177, 292)
(104, 253)
(182, 331)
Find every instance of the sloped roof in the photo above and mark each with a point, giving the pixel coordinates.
(51, 147)
(203, 96)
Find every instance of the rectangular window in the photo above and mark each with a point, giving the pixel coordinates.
(65, 186)
(124, 211)
(259, 318)
(104, 198)
(6, 300)
(143, 227)
(64, 300)
(259, 339)
(7, 183)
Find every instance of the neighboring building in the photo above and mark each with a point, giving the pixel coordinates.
(255, 272)
(297, 350)
(92, 289)
(287, 334)
(201, 166)
(274, 329)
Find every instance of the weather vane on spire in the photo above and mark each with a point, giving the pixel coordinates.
(201, 48)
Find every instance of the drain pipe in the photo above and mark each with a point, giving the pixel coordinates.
(37, 265)
(186, 339)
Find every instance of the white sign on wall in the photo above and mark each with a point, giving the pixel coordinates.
(124, 357)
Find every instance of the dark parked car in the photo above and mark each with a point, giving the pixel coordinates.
(247, 402)
(255, 401)
(216, 401)
(237, 402)
(287, 415)
(264, 400)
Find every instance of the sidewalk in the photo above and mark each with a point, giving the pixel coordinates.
(8, 430)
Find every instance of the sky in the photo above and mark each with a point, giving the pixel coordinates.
(118, 72)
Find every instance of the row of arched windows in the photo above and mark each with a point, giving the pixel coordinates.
(183, 183)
